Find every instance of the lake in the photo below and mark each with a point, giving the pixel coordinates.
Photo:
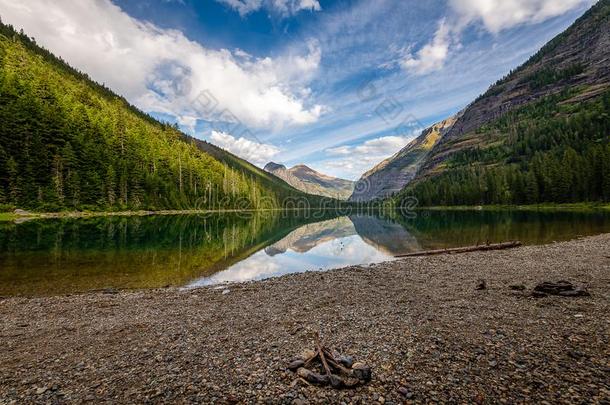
(62, 256)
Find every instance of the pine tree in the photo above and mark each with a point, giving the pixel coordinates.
(532, 192)
(58, 180)
(111, 186)
(606, 175)
(13, 181)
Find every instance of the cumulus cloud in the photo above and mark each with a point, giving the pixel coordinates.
(279, 7)
(253, 151)
(432, 56)
(493, 15)
(497, 15)
(355, 160)
(160, 70)
(378, 146)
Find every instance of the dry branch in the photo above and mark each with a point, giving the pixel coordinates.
(496, 246)
(317, 367)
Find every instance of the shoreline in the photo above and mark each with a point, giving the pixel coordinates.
(419, 323)
(27, 215)
(30, 215)
(584, 207)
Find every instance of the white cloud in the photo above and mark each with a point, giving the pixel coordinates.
(254, 152)
(355, 160)
(313, 5)
(280, 7)
(497, 15)
(378, 146)
(160, 70)
(494, 15)
(431, 57)
(243, 7)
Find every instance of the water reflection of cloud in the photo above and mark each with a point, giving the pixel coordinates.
(256, 267)
(340, 252)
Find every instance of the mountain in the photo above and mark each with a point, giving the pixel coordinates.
(67, 142)
(310, 181)
(390, 176)
(541, 134)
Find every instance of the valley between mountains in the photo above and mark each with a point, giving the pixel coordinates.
(147, 256)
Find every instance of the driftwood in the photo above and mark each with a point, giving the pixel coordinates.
(323, 367)
(561, 288)
(496, 246)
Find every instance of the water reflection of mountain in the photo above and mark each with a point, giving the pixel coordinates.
(393, 234)
(307, 237)
(71, 255)
(386, 236)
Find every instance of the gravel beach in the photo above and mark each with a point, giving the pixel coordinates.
(421, 323)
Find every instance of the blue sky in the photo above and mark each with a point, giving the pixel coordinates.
(335, 84)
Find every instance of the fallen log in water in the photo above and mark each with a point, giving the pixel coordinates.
(496, 246)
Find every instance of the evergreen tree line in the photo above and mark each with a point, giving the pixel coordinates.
(68, 143)
(549, 152)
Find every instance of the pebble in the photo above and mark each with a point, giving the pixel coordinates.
(405, 392)
(414, 322)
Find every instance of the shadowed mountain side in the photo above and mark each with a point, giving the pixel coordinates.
(67, 142)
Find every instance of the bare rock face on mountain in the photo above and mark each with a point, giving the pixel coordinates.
(391, 175)
(579, 58)
(503, 129)
(310, 181)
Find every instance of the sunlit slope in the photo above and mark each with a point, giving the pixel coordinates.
(67, 142)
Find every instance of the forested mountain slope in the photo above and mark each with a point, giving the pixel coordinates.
(539, 135)
(69, 143)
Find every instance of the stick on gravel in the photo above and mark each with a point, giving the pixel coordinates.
(497, 246)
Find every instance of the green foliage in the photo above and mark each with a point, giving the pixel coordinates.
(69, 143)
(585, 24)
(7, 208)
(547, 76)
(588, 25)
(550, 151)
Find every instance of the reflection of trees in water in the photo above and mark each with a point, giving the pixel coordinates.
(54, 256)
(439, 229)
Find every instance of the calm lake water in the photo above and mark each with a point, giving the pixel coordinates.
(49, 257)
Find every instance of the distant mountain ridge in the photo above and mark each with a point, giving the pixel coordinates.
(390, 176)
(309, 181)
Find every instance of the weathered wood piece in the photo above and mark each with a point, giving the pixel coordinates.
(322, 367)
(479, 248)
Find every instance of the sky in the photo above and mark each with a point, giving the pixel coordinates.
(338, 85)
